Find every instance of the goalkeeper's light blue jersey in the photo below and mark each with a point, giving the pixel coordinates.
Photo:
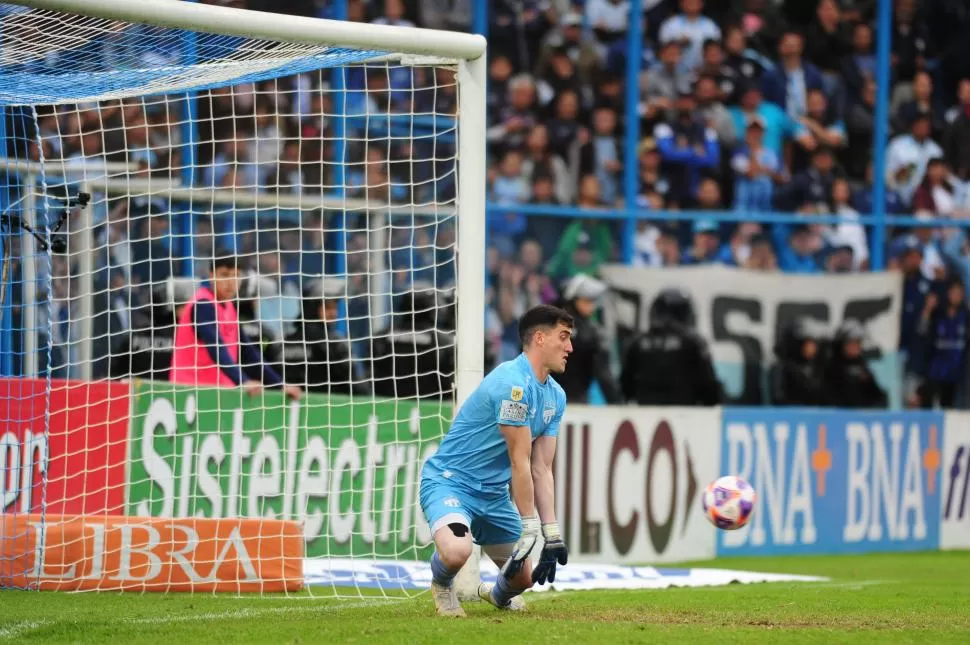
(474, 452)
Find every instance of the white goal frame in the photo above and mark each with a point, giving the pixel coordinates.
(407, 44)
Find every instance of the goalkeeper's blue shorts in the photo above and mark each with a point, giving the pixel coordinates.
(493, 519)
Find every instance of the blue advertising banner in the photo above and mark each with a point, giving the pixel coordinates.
(835, 481)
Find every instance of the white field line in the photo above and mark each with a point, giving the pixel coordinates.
(234, 614)
(16, 630)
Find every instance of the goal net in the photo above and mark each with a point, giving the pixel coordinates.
(171, 168)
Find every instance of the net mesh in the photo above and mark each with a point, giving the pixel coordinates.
(53, 57)
(333, 183)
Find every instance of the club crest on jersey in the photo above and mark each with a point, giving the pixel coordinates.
(548, 412)
(517, 393)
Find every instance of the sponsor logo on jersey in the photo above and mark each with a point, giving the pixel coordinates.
(513, 411)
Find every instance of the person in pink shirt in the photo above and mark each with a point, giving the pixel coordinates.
(208, 350)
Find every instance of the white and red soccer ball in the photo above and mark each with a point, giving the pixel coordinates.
(728, 502)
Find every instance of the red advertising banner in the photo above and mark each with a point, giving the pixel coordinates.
(83, 451)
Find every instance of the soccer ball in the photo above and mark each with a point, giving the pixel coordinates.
(728, 502)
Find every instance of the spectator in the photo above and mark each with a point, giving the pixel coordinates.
(908, 155)
(560, 75)
(827, 43)
(691, 28)
(393, 15)
(859, 66)
(711, 111)
(907, 258)
(517, 28)
(811, 190)
(922, 103)
(511, 185)
(936, 193)
(798, 247)
(576, 44)
(714, 67)
(608, 19)
(823, 123)
(564, 128)
(762, 256)
(911, 41)
(590, 360)
(746, 65)
(862, 196)
(779, 127)
(585, 244)
(849, 232)
(859, 128)
(415, 359)
(145, 351)
(956, 251)
(708, 197)
(537, 285)
(944, 327)
(600, 156)
(653, 178)
(956, 138)
(316, 353)
(738, 249)
(515, 121)
(663, 83)
(707, 243)
(540, 160)
(762, 25)
(209, 348)
(788, 84)
(756, 170)
(839, 255)
(448, 15)
(656, 246)
(497, 89)
(687, 145)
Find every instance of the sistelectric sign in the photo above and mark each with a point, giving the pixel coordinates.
(835, 481)
(349, 470)
(629, 481)
(955, 514)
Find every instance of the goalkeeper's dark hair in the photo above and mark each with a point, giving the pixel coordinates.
(542, 317)
(224, 259)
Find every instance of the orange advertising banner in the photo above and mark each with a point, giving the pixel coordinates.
(113, 552)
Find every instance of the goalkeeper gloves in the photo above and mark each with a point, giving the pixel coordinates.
(553, 551)
(525, 545)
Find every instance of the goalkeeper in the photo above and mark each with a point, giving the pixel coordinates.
(505, 433)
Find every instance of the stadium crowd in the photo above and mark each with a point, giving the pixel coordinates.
(745, 105)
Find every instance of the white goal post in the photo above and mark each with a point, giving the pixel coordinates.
(266, 47)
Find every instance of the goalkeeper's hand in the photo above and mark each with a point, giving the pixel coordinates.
(525, 545)
(553, 551)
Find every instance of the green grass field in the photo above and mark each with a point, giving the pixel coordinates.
(904, 598)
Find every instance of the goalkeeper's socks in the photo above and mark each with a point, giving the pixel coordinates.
(440, 574)
(503, 593)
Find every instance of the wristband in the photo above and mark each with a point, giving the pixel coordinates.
(551, 531)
